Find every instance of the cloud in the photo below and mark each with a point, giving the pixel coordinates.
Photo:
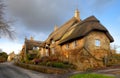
(40, 15)
(44, 14)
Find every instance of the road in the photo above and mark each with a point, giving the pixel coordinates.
(8, 70)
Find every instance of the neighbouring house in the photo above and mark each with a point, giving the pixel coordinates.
(11, 56)
(30, 49)
(84, 43)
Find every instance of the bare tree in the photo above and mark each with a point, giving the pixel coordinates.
(5, 29)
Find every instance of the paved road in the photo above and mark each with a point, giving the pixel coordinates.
(8, 70)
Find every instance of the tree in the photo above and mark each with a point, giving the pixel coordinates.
(3, 56)
(115, 48)
(5, 29)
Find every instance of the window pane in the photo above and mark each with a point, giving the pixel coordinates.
(67, 46)
(97, 42)
(53, 51)
(47, 52)
(74, 43)
(53, 41)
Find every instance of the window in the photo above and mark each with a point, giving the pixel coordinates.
(53, 41)
(47, 52)
(97, 42)
(74, 43)
(42, 53)
(53, 51)
(35, 48)
(67, 46)
(46, 45)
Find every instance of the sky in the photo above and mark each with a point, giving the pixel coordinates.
(37, 18)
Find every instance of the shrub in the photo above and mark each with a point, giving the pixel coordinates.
(3, 57)
(66, 62)
(49, 64)
(58, 65)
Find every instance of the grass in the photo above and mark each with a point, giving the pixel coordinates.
(91, 76)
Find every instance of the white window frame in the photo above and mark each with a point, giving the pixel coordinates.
(97, 42)
(36, 48)
(47, 52)
(67, 46)
(74, 43)
(53, 50)
(53, 41)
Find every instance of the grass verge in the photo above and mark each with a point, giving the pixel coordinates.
(91, 76)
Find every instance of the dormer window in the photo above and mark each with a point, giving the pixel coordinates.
(53, 41)
(67, 46)
(97, 42)
(74, 43)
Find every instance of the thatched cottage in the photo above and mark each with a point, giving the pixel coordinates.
(30, 48)
(84, 43)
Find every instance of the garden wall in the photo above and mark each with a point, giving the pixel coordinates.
(43, 69)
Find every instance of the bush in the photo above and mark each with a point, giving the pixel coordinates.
(49, 64)
(66, 62)
(3, 57)
(58, 65)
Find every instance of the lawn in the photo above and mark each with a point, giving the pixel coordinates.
(91, 76)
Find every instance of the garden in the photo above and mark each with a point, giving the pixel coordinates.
(50, 61)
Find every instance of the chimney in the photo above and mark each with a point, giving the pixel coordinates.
(56, 27)
(77, 14)
(31, 38)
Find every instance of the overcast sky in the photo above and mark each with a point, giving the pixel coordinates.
(37, 18)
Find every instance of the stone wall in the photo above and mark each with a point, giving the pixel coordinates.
(86, 54)
(66, 52)
(43, 69)
(98, 51)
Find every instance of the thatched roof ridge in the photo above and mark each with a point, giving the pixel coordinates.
(85, 27)
(57, 35)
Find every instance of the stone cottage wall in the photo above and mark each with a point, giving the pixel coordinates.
(84, 58)
(66, 52)
(98, 51)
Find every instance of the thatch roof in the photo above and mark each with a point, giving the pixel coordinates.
(32, 43)
(43, 44)
(57, 35)
(84, 28)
